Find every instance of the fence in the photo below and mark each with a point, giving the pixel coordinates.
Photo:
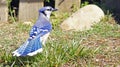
(28, 9)
(3, 11)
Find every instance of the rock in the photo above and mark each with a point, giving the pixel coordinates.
(83, 19)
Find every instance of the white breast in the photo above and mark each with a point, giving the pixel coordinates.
(44, 38)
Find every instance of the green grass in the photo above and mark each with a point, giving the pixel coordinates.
(90, 48)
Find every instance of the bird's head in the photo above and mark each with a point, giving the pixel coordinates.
(47, 10)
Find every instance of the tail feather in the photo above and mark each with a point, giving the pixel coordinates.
(29, 48)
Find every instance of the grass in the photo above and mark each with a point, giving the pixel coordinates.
(96, 47)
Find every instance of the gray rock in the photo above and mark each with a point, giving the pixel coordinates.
(83, 19)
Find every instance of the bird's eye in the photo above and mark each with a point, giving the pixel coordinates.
(49, 9)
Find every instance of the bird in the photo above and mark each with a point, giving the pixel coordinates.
(38, 34)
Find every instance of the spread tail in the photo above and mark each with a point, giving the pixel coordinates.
(29, 48)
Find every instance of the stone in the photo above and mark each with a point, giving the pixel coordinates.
(83, 19)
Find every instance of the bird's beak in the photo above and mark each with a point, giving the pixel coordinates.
(54, 9)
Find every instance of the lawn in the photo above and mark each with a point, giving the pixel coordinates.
(99, 46)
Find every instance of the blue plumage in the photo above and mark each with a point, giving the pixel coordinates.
(29, 47)
(38, 34)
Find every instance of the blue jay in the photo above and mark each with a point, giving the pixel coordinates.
(38, 34)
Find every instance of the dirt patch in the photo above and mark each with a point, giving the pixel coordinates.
(108, 55)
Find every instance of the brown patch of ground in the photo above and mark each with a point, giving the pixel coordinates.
(108, 55)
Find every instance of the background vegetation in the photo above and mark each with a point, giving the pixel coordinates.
(99, 46)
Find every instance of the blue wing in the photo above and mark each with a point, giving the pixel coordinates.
(33, 45)
(35, 31)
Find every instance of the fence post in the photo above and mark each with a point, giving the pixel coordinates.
(3, 11)
(28, 9)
